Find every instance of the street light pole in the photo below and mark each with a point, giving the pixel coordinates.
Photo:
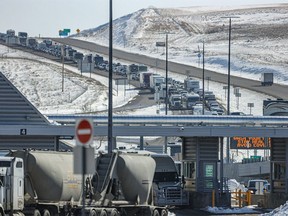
(229, 58)
(110, 96)
(229, 64)
(166, 96)
(203, 81)
(228, 83)
(166, 92)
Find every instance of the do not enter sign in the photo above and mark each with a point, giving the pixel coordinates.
(84, 131)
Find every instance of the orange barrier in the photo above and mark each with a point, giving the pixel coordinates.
(242, 197)
(213, 198)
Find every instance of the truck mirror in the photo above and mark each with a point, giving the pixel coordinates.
(183, 180)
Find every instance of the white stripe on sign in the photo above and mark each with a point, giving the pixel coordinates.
(84, 131)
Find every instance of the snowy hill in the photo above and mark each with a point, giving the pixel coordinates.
(259, 37)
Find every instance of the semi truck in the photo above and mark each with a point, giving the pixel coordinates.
(190, 100)
(175, 102)
(155, 81)
(277, 107)
(168, 186)
(191, 84)
(266, 79)
(145, 79)
(42, 183)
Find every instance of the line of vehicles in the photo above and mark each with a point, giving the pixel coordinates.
(185, 95)
(42, 183)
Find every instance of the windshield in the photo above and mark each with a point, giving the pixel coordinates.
(166, 177)
(192, 99)
(5, 163)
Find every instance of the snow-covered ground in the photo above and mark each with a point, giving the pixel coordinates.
(40, 80)
(258, 37)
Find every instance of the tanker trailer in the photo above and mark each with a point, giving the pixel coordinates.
(136, 188)
(51, 188)
(129, 185)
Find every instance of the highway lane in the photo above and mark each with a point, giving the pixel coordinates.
(276, 90)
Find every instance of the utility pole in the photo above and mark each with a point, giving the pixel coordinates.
(228, 83)
(203, 79)
(62, 53)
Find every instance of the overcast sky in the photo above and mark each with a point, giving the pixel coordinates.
(47, 17)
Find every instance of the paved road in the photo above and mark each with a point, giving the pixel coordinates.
(198, 212)
(276, 90)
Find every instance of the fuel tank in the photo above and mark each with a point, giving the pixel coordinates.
(136, 174)
(49, 176)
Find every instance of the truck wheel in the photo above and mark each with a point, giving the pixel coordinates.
(156, 213)
(103, 213)
(46, 212)
(93, 213)
(115, 212)
(164, 212)
(36, 212)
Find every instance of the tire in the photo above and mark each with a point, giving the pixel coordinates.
(164, 212)
(115, 212)
(36, 213)
(156, 212)
(46, 212)
(103, 213)
(93, 212)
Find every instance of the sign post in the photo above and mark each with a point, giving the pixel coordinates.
(84, 137)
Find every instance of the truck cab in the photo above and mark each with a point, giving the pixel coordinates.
(11, 185)
(175, 102)
(167, 184)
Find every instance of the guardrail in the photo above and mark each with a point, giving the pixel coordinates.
(185, 120)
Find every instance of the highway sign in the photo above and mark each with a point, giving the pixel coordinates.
(160, 44)
(23, 131)
(84, 131)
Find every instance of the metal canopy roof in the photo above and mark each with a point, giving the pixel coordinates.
(15, 108)
(138, 130)
(20, 121)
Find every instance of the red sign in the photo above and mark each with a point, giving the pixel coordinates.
(84, 131)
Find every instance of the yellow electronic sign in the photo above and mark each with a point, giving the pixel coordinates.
(250, 142)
